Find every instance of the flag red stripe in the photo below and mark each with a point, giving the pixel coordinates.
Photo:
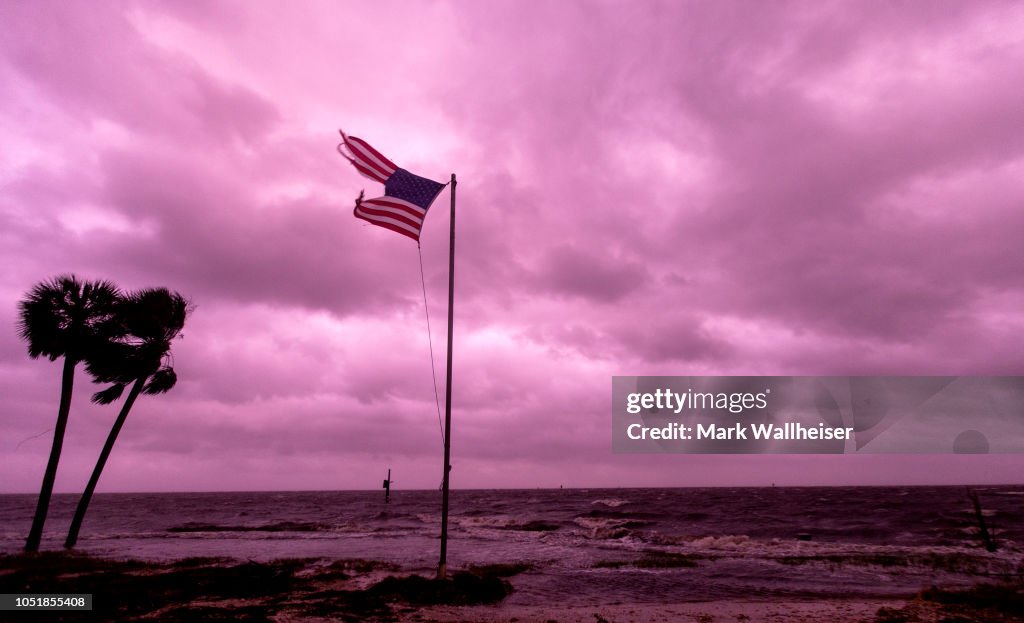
(394, 228)
(364, 154)
(375, 153)
(373, 175)
(375, 170)
(389, 202)
(386, 213)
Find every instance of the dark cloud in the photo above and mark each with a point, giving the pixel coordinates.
(661, 188)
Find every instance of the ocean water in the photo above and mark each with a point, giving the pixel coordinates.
(585, 547)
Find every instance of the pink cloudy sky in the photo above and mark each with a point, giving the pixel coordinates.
(645, 188)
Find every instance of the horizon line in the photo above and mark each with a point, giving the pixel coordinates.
(603, 488)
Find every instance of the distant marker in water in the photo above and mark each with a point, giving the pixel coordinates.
(387, 487)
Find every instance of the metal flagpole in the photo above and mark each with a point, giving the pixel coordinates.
(442, 566)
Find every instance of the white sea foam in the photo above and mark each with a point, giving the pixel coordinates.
(602, 527)
(728, 541)
(612, 502)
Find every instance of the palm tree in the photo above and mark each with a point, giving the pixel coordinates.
(67, 318)
(151, 319)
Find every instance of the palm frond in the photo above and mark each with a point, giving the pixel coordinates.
(147, 321)
(155, 313)
(115, 362)
(63, 316)
(162, 381)
(109, 394)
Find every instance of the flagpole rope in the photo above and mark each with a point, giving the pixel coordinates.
(430, 340)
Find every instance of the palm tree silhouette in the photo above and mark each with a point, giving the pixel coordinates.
(151, 319)
(68, 318)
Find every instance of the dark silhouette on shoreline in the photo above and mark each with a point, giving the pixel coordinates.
(68, 318)
(151, 320)
(122, 340)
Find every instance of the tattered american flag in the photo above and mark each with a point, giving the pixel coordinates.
(406, 199)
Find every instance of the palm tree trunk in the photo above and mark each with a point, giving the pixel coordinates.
(35, 534)
(83, 502)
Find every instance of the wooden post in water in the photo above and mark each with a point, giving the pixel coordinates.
(387, 487)
(986, 536)
(442, 565)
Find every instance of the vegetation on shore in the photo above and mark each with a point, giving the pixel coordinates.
(214, 589)
(984, 603)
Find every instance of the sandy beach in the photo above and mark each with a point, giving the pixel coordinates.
(819, 611)
(313, 590)
(1002, 604)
